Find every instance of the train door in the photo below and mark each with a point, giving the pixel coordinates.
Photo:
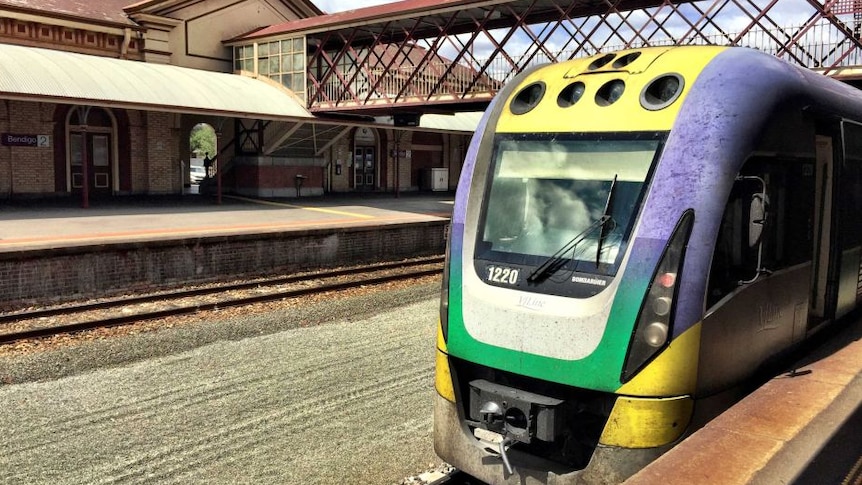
(822, 297)
(758, 296)
(849, 225)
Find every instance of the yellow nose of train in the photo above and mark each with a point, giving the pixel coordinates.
(633, 90)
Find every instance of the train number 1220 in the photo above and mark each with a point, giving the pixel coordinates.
(505, 276)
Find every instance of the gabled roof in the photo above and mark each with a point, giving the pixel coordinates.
(97, 11)
(424, 19)
(348, 18)
(303, 8)
(116, 11)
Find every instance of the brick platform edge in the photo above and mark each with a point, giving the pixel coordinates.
(90, 271)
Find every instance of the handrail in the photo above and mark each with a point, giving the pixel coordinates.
(818, 46)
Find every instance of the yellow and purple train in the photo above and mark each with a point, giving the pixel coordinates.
(633, 234)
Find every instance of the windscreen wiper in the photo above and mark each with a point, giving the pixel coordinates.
(556, 260)
(607, 214)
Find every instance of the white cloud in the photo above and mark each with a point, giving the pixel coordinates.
(732, 18)
(332, 6)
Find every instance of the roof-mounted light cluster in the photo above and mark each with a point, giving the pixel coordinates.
(527, 98)
(601, 62)
(658, 94)
(662, 91)
(610, 92)
(625, 60)
(571, 94)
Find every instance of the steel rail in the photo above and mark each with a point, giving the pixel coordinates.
(115, 321)
(176, 294)
(455, 477)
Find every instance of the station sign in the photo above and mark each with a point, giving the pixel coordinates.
(25, 140)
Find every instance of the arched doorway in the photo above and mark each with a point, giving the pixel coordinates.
(365, 159)
(203, 151)
(98, 134)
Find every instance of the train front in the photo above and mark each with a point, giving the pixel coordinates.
(557, 359)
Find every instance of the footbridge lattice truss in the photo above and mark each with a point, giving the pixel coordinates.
(453, 55)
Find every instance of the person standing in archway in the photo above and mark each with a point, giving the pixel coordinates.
(208, 163)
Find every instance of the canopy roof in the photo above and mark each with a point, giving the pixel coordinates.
(35, 74)
(43, 75)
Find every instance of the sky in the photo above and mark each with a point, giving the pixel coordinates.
(332, 6)
(787, 7)
(786, 13)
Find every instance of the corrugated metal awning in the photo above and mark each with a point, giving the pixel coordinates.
(35, 74)
(458, 122)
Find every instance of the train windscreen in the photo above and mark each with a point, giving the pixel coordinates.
(568, 198)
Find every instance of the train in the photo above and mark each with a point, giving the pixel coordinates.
(634, 235)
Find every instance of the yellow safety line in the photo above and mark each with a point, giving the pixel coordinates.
(316, 209)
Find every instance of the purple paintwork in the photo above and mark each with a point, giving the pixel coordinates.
(717, 127)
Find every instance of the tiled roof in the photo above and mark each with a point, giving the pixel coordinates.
(93, 10)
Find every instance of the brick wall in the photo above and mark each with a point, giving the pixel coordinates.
(5, 152)
(138, 152)
(276, 177)
(101, 43)
(28, 277)
(27, 170)
(341, 155)
(404, 164)
(162, 153)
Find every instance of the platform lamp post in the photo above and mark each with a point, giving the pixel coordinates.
(397, 173)
(218, 180)
(83, 113)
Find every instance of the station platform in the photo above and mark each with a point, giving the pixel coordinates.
(53, 250)
(46, 224)
(802, 427)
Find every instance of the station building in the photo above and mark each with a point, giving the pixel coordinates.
(98, 99)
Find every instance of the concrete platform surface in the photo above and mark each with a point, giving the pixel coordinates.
(62, 223)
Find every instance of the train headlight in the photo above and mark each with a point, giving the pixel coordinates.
(601, 62)
(571, 94)
(610, 92)
(661, 306)
(655, 320)
(443, 373)
(655, 334)
(662, 91)
(527, 98)
(444, 293)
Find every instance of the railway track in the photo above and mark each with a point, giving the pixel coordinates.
(452, 476)
(46, 322)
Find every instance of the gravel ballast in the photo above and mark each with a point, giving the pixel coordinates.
(332, 391)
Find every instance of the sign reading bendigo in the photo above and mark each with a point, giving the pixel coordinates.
(21, 140)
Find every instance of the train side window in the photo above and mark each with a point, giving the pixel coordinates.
(787, 233)
(850, 188)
